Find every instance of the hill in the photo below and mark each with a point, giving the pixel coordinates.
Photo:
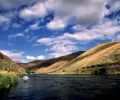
(7, 65)
(104, 58)
(50, 65)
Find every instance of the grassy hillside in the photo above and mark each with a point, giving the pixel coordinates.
(31, 65)
(102, 57)
(9, 66)
(50, 65)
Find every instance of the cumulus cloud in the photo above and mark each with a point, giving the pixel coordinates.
(3, 19)
(19, 56)
(7, 5)
(14, 55)
(80, 13)
(77, 10)
(113, 10)
(56, 24)
(108, 28)
(35, 11)
(35, 26)
(59, 45)
(9, 10)
(67, 9)
(113, 5)
(4, 22)
(67, 42)
(31, 58)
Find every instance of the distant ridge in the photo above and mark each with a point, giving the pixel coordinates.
(104, 58)
(50, 64)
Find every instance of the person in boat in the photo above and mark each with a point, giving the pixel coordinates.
(25, 78)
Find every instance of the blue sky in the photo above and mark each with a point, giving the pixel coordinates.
(43, 29)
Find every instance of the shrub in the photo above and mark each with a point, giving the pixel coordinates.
(63, 70)
(30, 72)
(8, 80)
(100, 71)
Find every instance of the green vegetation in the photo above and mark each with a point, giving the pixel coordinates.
(8, 80)
(29, 72)
(99, 71)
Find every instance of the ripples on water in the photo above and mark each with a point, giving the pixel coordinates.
(65, 87)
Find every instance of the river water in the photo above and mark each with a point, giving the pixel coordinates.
(65, 87)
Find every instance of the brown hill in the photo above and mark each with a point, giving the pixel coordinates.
(50, 65)
(7, 65)
(102, 57)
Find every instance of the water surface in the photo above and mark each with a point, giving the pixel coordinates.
(65, 87)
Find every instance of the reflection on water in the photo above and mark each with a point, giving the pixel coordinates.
(65, 87)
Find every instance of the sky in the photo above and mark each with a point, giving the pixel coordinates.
(44, 29)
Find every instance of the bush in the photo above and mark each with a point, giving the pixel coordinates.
(100, 71)
(8, 80)
(30, 72)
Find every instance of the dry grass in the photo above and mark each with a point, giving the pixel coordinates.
(7, 65)
(99, 55)
(73, 63)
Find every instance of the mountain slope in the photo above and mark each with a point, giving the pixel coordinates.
(106, 55)
(50, 65)
(7, 65)
(104, 58)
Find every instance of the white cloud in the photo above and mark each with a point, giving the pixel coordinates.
(4, 22)
(83, 12)
(4, 19)
(56, 24)
(14, 55)
(44, 40)
(15, 35)
(34, 26)
(79, 27)
(59, 45)
(13, 4)
(37, 10)
(41, 57)
(114, 5)
(67, 43)
(19, 56)
(31, 58)
(67, 9)
(108, 28)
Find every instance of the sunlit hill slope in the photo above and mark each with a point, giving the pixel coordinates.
(9, 66)
(102, 59)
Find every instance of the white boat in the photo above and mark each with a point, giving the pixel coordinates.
(25, 78)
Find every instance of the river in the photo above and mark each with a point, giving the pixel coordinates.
(65, 87)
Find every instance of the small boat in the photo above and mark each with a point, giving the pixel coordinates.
(25, 78)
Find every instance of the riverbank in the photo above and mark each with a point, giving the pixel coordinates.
(8, 80)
